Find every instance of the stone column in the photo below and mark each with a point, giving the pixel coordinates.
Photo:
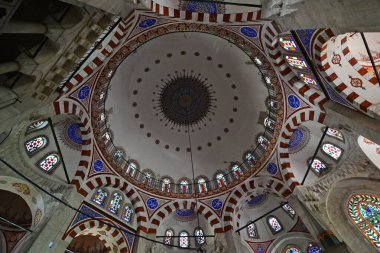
(25, 27)
(8, 67)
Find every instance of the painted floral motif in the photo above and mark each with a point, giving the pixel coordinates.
(37, 217)
(336, 59)
(356, 82)
(23, 188)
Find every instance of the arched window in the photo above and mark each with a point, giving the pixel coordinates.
(263, 141)
(250, 159)
(115, 203)
(364, 212)
(127, 214)
(292, 249)
(274, 224)
(184, 186)
(202, 186)
(169, 237)
(184, 239)
(289, 210)
(165, 185)
(100, 197)
(38, 125)
(297, 63)
(335, 133)
(147, 177)
(251, 231)
(200, 239)
(318, 166)
(34, 145)
(314, 248)
(221, 180)
(332, 150)
(268, 122)
(131, 169)
(49, 162)
(237, 171)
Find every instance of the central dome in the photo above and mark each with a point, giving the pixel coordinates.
(185, 100)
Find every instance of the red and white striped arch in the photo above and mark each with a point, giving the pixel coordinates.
(328, 73)
(290, 125)
(120, 184)
(94, 227)
(277, 56)
(170, 207)
(262, 182)
(205, 17)
(69, 106)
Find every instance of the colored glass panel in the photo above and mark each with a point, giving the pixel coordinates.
(131, 169)
(221, 180)
(168, 236)
(184, 239)
(298, 63)
(318, 166)
(292, 249)
(289, 210)
(127, 214)
(309, 80)
(251, 230)
(32, 146)
(274, 224)
(165, 185)
(332, 150)
(288, 43)
(100, 197)
(237, 171)
(200, 239)
(335, 133)
(38, 125)
(364, 212)
(202, 185)
(250, 159)
(184, 186)
(314, 248)
(49, 163)
(115, 203)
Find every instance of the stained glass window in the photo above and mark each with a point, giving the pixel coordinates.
(292, 249)
(100, 197)
(34, 145)
(131, 169)
(165, 185)
(250, 159)
(314, 248)
(287, 43)
(274, 224)
(184, 239)
(364, 212)
(335, 133)
(38, 125)
(263, 141)
(298, 63)
(115, 203)
(309, 80)
(49, 162)
(332, 150)
(289, 210)
(318, 166)
(200, 239)
(251, 231)
(147, 178)
(268, 122)
(202, 185)
(184, 186)
(169, 237)
(221, 180)
(237, 171)
(127, 214)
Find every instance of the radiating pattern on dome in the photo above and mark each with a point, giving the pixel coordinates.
(299, 139)
(185, 100)
(71, 135)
